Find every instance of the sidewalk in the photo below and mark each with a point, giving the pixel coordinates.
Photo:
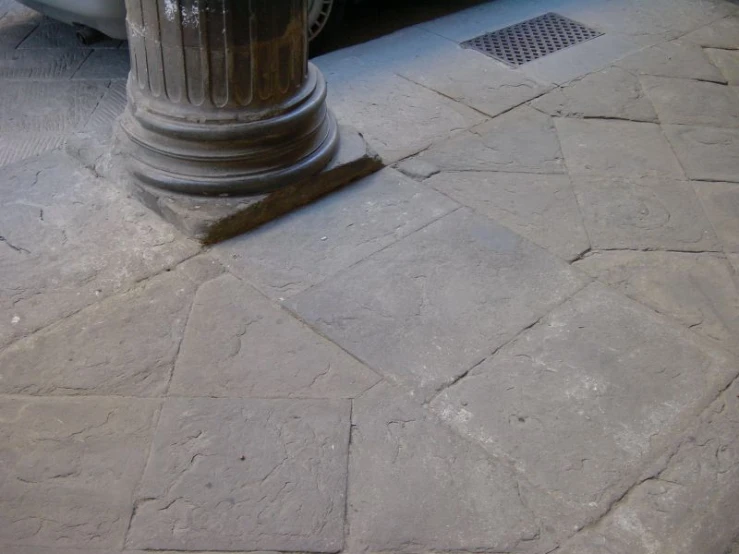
(520, 336)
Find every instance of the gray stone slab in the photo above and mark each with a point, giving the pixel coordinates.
(15, 147)
(54, 34)
(70, 240)
(105, 64)
(678, 58)
(522, 141)
(40, 64)
(695, 289)
(643, 213)
(70, 469)
(541, 208)
(689, 102)
(706, 153)
(720, 34)
(609, 94)
(16, 26)
(727, 61)
(624, 148)
(292, 254)
(416, 487)
(721, 203)
(108, 109)
(734, 259)
(251, 347)
(416, 168)
(688, 505)
(125, 345)
(429, 307)
(57, 107)
(396, 116)
(233, 474)
(585, 400)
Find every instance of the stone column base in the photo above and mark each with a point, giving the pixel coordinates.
(210, 219)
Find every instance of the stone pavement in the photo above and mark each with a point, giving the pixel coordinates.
(521, 336)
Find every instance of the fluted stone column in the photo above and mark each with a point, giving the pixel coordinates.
(221, 97)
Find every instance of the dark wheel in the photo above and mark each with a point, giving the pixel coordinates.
(324, 16)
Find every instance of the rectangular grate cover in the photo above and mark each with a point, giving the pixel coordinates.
(532, 39)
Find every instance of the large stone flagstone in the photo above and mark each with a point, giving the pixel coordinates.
(706, 153)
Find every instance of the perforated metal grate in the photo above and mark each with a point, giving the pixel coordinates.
(532, 39)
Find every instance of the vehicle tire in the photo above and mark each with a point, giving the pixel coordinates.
(324, 17)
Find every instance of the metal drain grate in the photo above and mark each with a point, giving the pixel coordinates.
(532, 39)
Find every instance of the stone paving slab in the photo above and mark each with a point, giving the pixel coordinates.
(643, 213)
(15, 26)
(541, 208)
(71, 240)
(15, 147)
(622, 148)
(689, 102)
(523, 141)
(108, 109)
(474, 503)
(720, 34)
(609, 94)
(426, 309)
(678, 59)
(53, 34)
(234, 474)
(584, 400)
(239, 344)
(72, 466)
(105, 64)
(706, 153)
(695, 289)
(721, 203)
(40, 64)
(728, 62)
(304, 248)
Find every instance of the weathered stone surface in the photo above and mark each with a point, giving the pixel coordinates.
(611, 94)
(105, 64)
(727, 61)
(474, 502)
(696, 289)
(416, 168)
(304, 248)
(643, 213)
(16, 25)
(70, 468)
(108, 109)
(40, 64)
(522, 140)
(541, 208)
(688, 505)
(585, 400)
(720, 34)
(125, 345)
(397, 117)
(47, 106)
(706, 153)
(53, 34)
(15, 147)
(734, 259)
(678, 59)
(616, 147)
(689, 102)
(70, 240)
(721, 203)
(253, 348)
(233, 474)
(429, 307)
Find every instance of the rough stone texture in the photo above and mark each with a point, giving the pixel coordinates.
(720, 34)
(40, 64)
(253, 348)
(70, 468)
(53, 34)
(416, 168)
(15, 147)
(706, 153)
(541, 208)
(108, 109)
(213, 219)
(584, 400)
(610, 94)
(721, 203)
(677, 59)
(688, 505)
(15, 27)
(621, 148)
(429, 307)
(688, 102)
(734, 259)
(29, 106)
(695, 289)
(124, 346)
(727, 61)
(522, 140)
(643, 213)
(105, 64)
(397, 117)
(70, 240)
(473, 505)
(292, 254)
(233, 474)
